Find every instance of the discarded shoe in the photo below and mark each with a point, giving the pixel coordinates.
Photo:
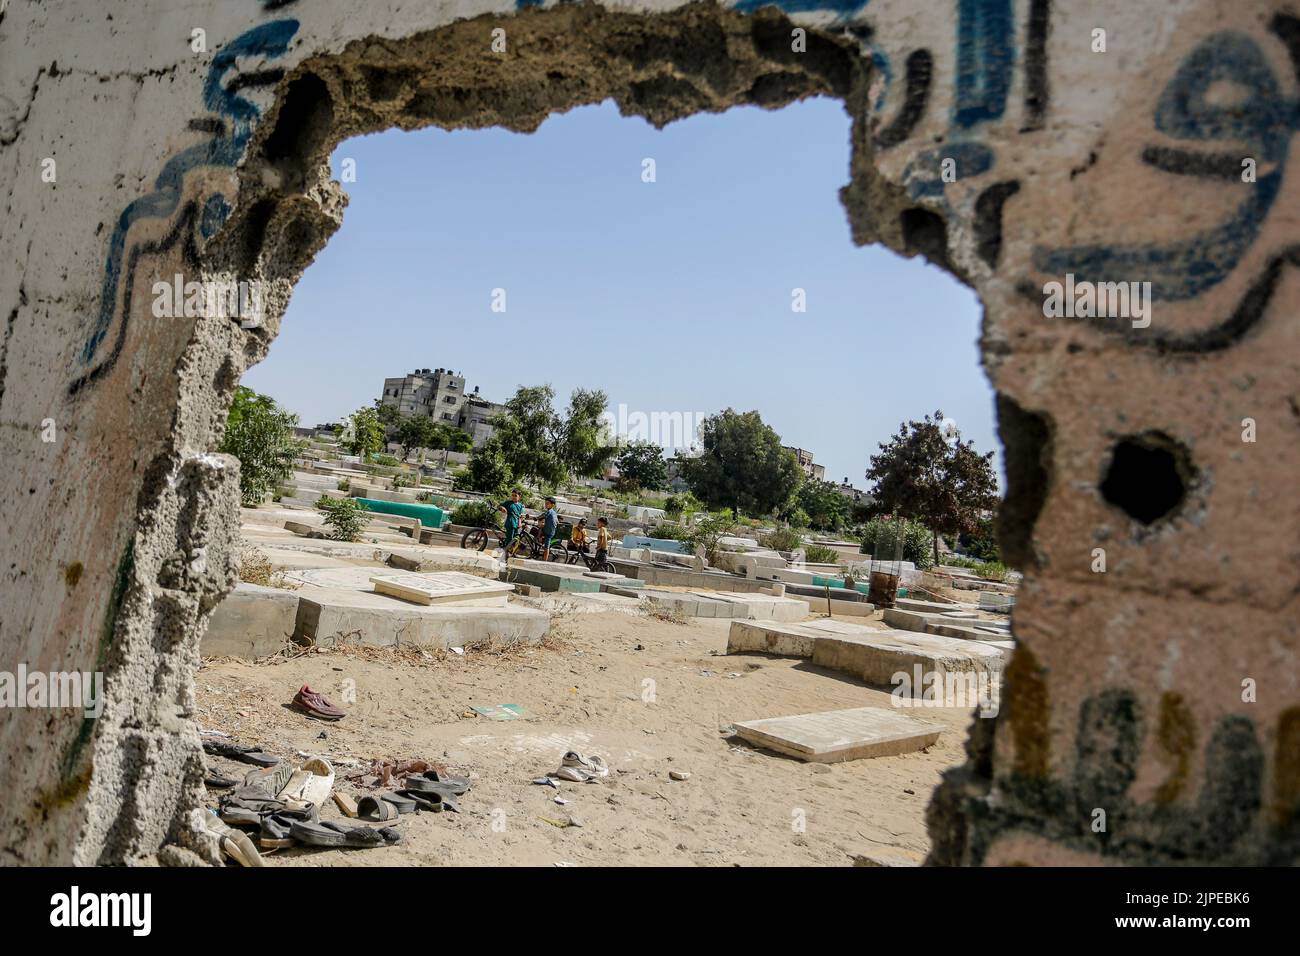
(314, 704)
(234, 843)
(216, 781)
(310, 783)
(376, 810)
(581, 769)
(234, 751)
(435, 801)
(403, 804)
(445, 781)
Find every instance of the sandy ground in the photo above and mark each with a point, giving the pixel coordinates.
(649, 695)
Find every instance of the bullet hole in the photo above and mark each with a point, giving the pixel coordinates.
(1148, 476)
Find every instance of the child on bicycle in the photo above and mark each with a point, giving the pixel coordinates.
(550, 521)
(578, 536)
(602, 539)
(513, 509)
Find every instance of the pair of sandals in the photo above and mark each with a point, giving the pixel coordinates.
(329, 833)
(434, 791)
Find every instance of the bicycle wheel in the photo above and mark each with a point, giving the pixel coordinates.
(476, 539)
(560, 553)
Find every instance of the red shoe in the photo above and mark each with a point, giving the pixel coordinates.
(316, 705)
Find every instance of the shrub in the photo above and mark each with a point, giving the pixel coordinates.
(403, 481)
(880, 539)
(345, 484)
(820, 554)
(706, 532)
(345, 517)
(260, 434)
(476, 514)
(782, 539)
(667, 532)
(388, 461)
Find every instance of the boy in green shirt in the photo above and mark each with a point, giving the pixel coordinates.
(514, 509)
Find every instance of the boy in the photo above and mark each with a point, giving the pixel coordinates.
(578, 536)
(550, 521)
(602, 540)
(513, 509)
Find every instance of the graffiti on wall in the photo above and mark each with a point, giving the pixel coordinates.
(229, 126)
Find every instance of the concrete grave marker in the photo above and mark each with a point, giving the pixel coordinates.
(838, 735)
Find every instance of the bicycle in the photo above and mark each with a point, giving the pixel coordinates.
(477, 539)
(574, 555)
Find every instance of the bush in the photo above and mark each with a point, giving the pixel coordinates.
(879, 538)
(476, 514)
(388, 461)
(706, 532)
(668, 532)
(345, 517)
(820, 554)
(988, 570)
(260, 434)
(782, 539)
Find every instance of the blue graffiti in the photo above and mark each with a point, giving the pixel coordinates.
(1262, 119)
(223, 149)
(924, 174)
(985, 59)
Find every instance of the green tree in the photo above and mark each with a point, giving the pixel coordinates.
(488, 470)
(390, 418)
(367, 433)
(821, 501)
(943, 483)
(742, 466)
(641, 465)
(260, 434)
(417, 431)
(583, 449)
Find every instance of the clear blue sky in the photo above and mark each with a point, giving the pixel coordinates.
(671, 296)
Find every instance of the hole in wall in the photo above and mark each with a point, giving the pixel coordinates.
(1148, 477)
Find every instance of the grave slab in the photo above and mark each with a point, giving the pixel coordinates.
(838, 735)
(440, 587)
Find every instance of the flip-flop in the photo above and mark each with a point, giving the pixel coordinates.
(422, 784)
(456, 785)
(233, 751)
(434, 801)
(403, 804)
(218, 782)
(376, 810)
(356, 836)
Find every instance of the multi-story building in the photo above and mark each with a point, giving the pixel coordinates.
(805, 459)
(440, 394)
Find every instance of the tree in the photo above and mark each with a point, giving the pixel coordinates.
(538, 445)
(821, 501)
(260, 434)
(367, 433)
(417, 431)
(742, 465)
(641, 465)
(945, 484)
(390, 418)
(583, 450)
(488, 471)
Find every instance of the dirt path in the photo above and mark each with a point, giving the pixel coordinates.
(647, 694)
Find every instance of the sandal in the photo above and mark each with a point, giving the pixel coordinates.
(376, 810)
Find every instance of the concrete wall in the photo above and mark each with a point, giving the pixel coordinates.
(1127, 692)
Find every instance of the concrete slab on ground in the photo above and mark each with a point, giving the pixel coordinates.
(871, 655)
(838, 735)
(440, 587)
(328, 615)
(252, 622)
(550, 576)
